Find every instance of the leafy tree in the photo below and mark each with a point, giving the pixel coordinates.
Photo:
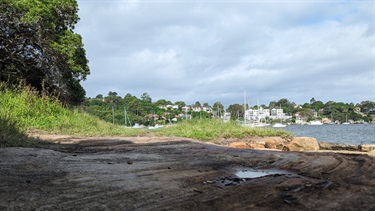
(317, 105)
(112, 94)
(146, 97)
(286, 105)
(113, 98)
(366, 106)
(38, 46)
(273, 104)
(99, 96)
(218, 106)
(236, 110)
(161, 102)
(197, 104)
(180, 104)
(217, 109)
(306, 105)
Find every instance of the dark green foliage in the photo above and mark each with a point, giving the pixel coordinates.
(38, 46)
(138, 110)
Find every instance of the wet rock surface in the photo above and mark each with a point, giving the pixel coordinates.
(154, 173)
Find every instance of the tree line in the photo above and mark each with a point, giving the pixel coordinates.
(143, 110)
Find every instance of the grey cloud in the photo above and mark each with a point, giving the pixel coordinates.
(212, 51)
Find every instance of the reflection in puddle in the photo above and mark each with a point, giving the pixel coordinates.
(245, 174)
(251, 173)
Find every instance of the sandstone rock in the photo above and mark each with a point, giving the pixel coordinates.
(366, 147)
(302, 144)
(255, 146)
(337, 146)
(240, 145)
(326, 121)
(274, 143)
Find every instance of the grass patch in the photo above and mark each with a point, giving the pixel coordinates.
(12, 136)
(22, 109)
(213, 129)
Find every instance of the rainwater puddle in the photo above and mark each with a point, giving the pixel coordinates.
(251, 173)
(242, 175)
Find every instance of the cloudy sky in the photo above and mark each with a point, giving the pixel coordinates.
(213, 50)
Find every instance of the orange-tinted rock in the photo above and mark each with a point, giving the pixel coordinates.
(274, 143)
(255, 146)
(302, 144)
(240, 145)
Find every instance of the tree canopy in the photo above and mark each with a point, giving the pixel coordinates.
(38, 46)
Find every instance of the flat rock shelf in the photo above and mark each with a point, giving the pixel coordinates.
(157, 173)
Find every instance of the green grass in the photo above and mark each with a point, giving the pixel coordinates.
(23, 110)
(11, 135)
(213, 129)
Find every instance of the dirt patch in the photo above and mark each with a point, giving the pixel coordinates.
(154, 173)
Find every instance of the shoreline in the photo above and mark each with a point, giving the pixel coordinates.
(258, 143)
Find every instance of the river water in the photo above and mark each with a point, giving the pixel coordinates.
(348, 134)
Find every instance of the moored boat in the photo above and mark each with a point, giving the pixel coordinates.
(316, 122)
(278, 125)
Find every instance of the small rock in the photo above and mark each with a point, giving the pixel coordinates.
(366, 147)
(302, 144)
(274, 143)
(130, 162)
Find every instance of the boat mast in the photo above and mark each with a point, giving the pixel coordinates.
(125, 115)
(244, 107)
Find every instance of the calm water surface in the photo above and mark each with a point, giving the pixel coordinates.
(349, 134)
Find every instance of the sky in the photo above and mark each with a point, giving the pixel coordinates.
(212, 50)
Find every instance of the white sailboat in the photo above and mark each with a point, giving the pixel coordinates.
(244, 114)
(316, 122)
(278, 125)
(346, 121)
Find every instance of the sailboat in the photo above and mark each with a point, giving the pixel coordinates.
(278, 125)
(346, 121)
(244, 114)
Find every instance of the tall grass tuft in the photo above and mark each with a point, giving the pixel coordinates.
(23, 109)
(213, 129)
(11, 135)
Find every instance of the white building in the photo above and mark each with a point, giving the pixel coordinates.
(257, 115)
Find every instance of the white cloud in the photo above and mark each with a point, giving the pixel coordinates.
(212, 51)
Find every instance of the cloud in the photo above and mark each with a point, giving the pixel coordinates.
(212, 51)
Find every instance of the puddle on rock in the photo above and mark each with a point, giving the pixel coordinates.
(244, 174)
(252, 173)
